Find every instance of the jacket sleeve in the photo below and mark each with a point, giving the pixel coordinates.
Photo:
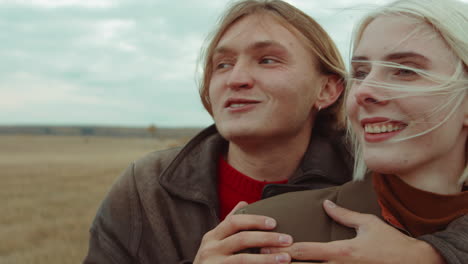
(114, 233)
(452, 243)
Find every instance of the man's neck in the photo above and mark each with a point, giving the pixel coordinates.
(268, 160)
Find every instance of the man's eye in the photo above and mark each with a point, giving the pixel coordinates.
(267, 61)
(223, 65)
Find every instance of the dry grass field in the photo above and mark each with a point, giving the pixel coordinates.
(51, 187)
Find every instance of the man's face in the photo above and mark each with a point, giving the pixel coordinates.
(264, 81)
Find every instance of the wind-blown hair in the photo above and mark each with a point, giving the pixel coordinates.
(449, 20)
(311, 34)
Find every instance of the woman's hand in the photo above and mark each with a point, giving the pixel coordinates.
(221, 244)
(376, 242)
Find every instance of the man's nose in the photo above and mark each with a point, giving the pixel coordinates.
(240, 77)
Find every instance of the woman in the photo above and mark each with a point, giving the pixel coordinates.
(407, 109)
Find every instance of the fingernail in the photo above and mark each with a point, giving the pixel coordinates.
(285, 239)
(270, 223)
(265, 251)
(283, 258)
(330, 204)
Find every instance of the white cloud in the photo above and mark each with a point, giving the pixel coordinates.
(63, 3)
(181, 62)
(21, 90)
(125, 61)
(109, 33)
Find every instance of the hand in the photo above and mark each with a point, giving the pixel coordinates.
(230, 236)
(376, 242)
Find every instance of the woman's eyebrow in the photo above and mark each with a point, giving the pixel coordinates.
(396, 56)
(406, 55)
(359, 58)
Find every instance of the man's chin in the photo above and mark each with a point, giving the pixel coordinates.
(236, 133)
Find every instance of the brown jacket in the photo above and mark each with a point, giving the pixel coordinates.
(301, 215)
(159, 209)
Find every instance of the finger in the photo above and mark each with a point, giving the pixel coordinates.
(238, 206)
(255, 239)
(342, 215)
(326, 262)
(236, 223)
(258, 259)
(313, 250)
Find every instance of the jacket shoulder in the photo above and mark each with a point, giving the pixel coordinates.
(451, 243)
(154, 163)
(299, 214)
(117, 228)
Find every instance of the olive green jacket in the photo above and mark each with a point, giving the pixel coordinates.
(301, 215)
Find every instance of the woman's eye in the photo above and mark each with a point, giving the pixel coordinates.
(359, 74)
(405, 72)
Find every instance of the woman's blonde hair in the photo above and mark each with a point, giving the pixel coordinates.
(311, 33)
(449, 20)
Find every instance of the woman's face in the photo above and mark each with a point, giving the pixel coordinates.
(264, 82)
(378, 120)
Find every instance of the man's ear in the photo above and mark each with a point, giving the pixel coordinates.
(330, 92)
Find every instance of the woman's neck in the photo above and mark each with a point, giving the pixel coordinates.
(436, 179)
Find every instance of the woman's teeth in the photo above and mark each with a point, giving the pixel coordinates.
(382, 128)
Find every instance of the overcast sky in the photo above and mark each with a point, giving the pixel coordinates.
(119, 62)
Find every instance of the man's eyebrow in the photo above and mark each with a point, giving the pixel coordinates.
(254, 46)
(265, 44)
(222, 50)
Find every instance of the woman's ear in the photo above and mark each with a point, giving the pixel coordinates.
(330, 91)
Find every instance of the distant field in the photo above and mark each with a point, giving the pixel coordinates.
(51, 187)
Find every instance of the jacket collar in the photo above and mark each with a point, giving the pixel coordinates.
(193, 172)
(326, 163)
(326, 158)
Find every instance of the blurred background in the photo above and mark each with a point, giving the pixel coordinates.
(87, 86)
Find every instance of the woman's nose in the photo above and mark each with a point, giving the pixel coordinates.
(367, 92)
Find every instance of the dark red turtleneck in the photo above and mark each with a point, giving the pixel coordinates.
(234, 187)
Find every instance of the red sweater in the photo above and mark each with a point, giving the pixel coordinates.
(234, 187)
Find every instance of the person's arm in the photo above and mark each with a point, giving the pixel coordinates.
(375, 242)
(452, 243)
(114, 238)
(111, 240)
(224, 243)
